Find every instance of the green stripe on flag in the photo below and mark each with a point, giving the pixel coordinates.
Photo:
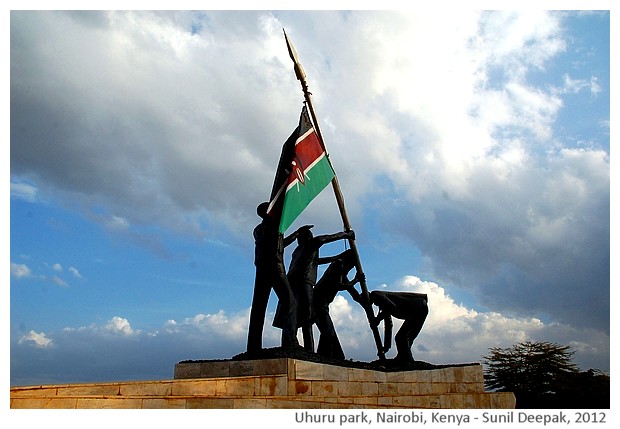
(298, 195)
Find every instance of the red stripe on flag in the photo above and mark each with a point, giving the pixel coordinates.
(308, 149)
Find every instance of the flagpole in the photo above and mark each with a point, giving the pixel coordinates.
(301, 76)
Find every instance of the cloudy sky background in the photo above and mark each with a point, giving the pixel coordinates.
(472, 148)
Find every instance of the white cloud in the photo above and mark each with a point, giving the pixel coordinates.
(23, 271)
(59, 281)
(117, 223)
(518, 39)
(74, 271)
(218, 325)
(38, 338)
(119, 325)
(574, 86)
(24, 191)
(20, 270)
(595, 87)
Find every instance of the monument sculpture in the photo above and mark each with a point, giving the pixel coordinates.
(303, 171)
(325, 374)
(292, 376)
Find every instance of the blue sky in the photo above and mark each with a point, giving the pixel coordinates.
(473, 151)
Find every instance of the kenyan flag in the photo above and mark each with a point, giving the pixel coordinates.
(303, 172)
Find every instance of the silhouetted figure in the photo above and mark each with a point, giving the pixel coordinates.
(271, 273)
(302, 276)
(408, 306)
(333, 280)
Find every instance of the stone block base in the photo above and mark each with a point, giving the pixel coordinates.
(276, 384)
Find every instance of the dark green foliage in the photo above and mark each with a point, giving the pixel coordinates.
(541, 375)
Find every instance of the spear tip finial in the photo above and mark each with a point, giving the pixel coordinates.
(299, 70)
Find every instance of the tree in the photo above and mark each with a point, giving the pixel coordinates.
(541, 375)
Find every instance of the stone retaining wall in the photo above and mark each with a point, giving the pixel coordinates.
(277, 383)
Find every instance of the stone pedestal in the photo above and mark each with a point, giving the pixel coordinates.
(303, 384)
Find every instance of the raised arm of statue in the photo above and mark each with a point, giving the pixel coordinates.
(320, 240)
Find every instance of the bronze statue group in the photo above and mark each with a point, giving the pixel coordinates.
(303, 300)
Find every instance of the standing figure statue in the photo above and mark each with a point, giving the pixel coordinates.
(302, 275)
(333, 280)
(408, 306)
(271, 273)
